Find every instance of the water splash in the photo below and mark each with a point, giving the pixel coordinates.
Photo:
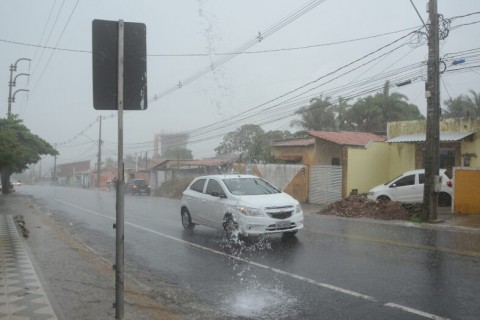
(261, 303)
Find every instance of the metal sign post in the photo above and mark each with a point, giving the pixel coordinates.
(119, 60)
(120, 199)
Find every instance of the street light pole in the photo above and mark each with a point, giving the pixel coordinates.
(12, 83)
(99, 155)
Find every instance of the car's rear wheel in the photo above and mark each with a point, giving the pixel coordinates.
(187, 220)
(444, 199)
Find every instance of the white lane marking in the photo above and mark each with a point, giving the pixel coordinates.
(414, 311)
(292, 275)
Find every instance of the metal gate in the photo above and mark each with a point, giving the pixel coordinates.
(325, 184)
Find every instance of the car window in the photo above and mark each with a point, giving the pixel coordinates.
(198, 185)
(390, 181)
(249, 186)
(406, 181)
(140, 182)
(421, 178)
(213, 186)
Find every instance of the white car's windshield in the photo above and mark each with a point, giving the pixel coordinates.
(249, 186)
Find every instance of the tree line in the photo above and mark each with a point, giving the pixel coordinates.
(367, 114)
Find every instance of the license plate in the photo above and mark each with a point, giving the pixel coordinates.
(283, 224)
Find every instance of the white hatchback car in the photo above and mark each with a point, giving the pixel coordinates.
(240, 203)
(409, 188)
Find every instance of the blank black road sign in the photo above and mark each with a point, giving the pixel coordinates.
(105, 65)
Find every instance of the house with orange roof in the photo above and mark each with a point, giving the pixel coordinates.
(325, 157)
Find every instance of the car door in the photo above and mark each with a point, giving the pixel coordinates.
(421, 185)
(195, 198)
(215, 197)
(403, 189)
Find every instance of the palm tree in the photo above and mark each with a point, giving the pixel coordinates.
(317, 116)
(463, 105)
(372, 113)
(474, 103)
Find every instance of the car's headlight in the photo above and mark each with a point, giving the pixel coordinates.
(371, 193)
(298, 208)
(252, 212)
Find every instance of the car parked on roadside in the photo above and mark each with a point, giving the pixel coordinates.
(408, 188)
(243, 204)
(138, 187)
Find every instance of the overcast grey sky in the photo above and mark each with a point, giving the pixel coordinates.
(185, 37)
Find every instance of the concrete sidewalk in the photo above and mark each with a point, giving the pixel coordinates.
(21, 293)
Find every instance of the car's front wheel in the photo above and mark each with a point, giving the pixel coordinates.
(383, 198)
(231, 227)
(187, 220)
(289, 234)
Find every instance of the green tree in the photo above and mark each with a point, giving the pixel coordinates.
(462, 106)
(319, 115)
(179, 153)
(341, 110)
(372, 113)
(19, 148)
(241, 141)
(474, 101)
(250, 142)
(365, 115)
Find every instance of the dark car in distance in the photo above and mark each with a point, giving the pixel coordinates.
(138, 186)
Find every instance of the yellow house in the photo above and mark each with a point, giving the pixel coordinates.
(405, 147)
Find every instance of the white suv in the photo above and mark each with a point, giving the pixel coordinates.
(409, 188)
(245, 204)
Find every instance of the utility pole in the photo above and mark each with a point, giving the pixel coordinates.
(13, 83)
(146, 161)
(55, 167)
(99, 155)
(120, 200)
(432, 143)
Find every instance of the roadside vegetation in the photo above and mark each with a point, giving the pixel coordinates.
(19, 148)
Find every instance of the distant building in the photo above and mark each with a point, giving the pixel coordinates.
(164, 141)
(74, 173)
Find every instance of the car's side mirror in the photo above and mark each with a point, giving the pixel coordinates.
(219, 194)
(393, 185)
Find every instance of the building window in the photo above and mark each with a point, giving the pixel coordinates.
(447, 158)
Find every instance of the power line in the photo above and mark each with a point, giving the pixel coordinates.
(290, 107)
(242, 48)
(230, 53)
(285, 49)
(207, 130)
(44, 29)
(49, 35)
(56, 44)
(305, 85)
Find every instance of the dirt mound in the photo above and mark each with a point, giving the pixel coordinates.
(360, 206)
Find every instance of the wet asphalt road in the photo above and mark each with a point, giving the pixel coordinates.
(334, 268)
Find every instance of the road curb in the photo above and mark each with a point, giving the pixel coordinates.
(424, 225)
